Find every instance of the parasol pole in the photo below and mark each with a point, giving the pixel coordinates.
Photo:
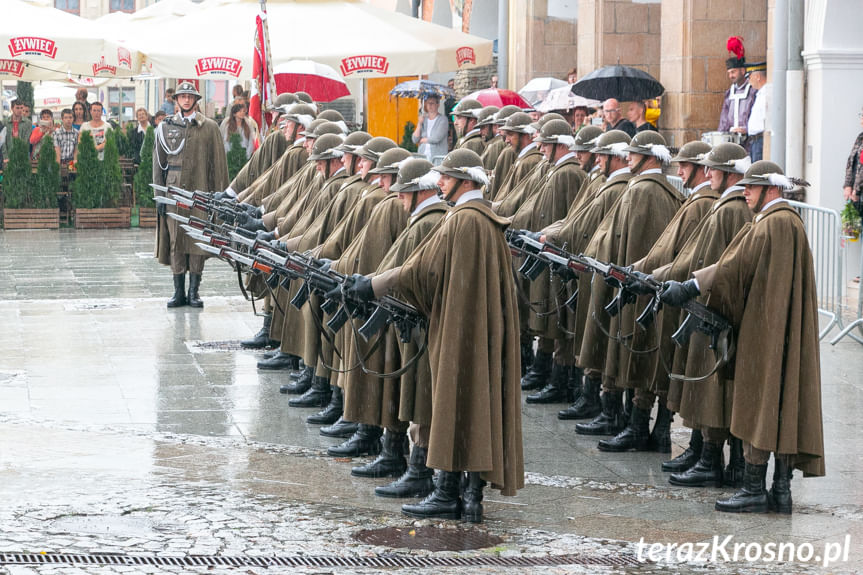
(270, 88)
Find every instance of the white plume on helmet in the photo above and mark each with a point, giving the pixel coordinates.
(619, 149)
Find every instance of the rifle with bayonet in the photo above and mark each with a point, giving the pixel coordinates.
(226, 210)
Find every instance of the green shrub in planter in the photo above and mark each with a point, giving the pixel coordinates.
(18, 181)
(236, 156)
(112, 175)
(47, 176)
(144, 175)
(407, 137)
(87, 187)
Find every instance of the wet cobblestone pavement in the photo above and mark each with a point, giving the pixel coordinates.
(124, 430)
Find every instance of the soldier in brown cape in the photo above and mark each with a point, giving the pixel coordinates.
(575, 233)
(764, 283)
(189, 154)
(624, 237)
(499, 155)
(518, 133)
(495, 143)
(540, 298)
(373, 400)
(637, 368)
(467, 113)
(461, 279)
(705, 406)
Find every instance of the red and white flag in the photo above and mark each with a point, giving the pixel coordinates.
(260, 77)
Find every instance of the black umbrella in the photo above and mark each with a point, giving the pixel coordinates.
(623, 83)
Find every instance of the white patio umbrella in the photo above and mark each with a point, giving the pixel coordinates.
(563, 99)
(43, 43)
(358, 39)
(123, 25)
(538, 88)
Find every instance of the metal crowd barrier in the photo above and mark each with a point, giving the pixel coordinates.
(677, 183)
(823, 229)
(857, 323)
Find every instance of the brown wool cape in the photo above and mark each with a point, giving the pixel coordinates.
(523, 191)
(473, 142)
(492, 152)
(461, 279)
(501, 170)
(764, 284)
(270, 151)
(521, 168)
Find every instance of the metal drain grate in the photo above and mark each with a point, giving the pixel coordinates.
(97, 306)
(429, 538)
(213, 346)
(378, 561)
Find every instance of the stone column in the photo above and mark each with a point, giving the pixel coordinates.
(543, 39)
(619, 31)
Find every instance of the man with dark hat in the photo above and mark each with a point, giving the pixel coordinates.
(189, 154)
(740, 95)
(764, 283)
(758, 116)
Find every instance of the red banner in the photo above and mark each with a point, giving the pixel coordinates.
(260, 75)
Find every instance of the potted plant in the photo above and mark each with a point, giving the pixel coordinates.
(31, 199)
(851, 223)
(141, 185)
(99, 185)
(236, 156)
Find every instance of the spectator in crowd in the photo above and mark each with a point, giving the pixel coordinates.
(580, 117)
(614, 120)
(571, 76)
(79, 115)
(168, 104)
(45, 126)
(97, 127)
(143, 122)
(65, 138)
(81, 96)
(237, 92)
(17, 126)
(636, 114)
(237, 122)
(493, 82)
(853, 188)
(432, 130)
(759, 114)
(157, 119)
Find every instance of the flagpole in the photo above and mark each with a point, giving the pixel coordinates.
(269, 92)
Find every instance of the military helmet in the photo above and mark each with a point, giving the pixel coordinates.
(467, 107)
(332, 116)
(463, 164)
(486, 116)
(327, 148)
(415, 175)
(612, 143)
(518, 122)
(692, 152)
(504, 113)
(548, 118)
(556, 132)
(302, 114)
(324, 127)
(373, 148)
(586, 138)
(284, 99)
(187, 88)
(304, 97)
(765, 173)
(649, 143)
(727, 157)
(389, 161)
(354, 141)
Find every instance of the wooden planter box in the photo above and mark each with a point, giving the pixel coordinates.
(103, 218)
(42, 219)
(147, 217)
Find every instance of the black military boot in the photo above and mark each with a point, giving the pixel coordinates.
(194, 283)
(588, 405)
(332, 412)
(391, 461)
(734, 471)
(301, 385)
(366, 441)
(610, 421)
(555, 391)
(539, 372)
(417, 481)
(526, 354)
(179, 298)
(261, 339)
(341, 428)
(444, 502)
(318, 395)
(707, 471)
(471, 498)
(689, 457)
(574, 382)
(779, 496)
(635, 436)
(280, 361)
(660, 435)
(752, 498)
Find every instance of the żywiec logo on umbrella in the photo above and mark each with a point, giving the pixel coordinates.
(11, 68)
(465, 55)
(363, 64)
(101, 68)
(32, 46)
(124, 58)
(218, 65)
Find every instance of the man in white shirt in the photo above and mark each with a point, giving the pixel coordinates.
(758, 116)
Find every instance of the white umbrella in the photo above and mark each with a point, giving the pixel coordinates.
(318, 80)
(538, 88)
(358, 39)
(53, 95)
(563, 99)
(43, 43)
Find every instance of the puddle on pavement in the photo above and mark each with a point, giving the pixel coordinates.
(428, 538)
(104, 525)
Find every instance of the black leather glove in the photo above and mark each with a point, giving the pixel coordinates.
(532, 235)
(253, 211)
(247, 222)
(676, 294)
(325, 264)
(639, 287)
(162, 209)
(360, 289)
(279, 245)
(265, 236)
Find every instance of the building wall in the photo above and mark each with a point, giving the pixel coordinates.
(543, 39)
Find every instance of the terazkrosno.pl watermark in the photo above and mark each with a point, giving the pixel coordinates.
(727, 550)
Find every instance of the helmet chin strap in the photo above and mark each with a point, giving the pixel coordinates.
(607, 171)
(640, 163)
(588, 166)
(759, 205)
(455, 189)
(353, 168)
(688, 183)
(413, 202)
